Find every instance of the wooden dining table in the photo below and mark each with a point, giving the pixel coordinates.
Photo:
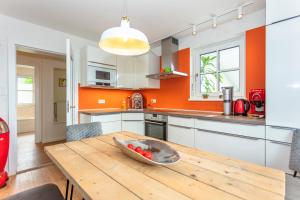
(99, 170)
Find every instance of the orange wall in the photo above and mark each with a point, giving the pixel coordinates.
(174, 93)
(88, 98)
(255, 58)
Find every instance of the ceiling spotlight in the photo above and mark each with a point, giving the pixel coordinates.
(214, 21)
(240, 12)
(194, 32)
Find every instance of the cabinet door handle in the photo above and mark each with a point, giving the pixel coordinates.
(282, 143)
(179, 126)
(230, 134)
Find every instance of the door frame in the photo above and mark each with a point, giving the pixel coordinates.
(12, 99)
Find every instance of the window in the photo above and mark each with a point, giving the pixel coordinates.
(25, 92)
(218, 66)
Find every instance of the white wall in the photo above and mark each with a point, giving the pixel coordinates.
(12, 32)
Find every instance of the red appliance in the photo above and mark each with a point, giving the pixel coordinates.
(257, 102)
(4, 146)
(241, 107)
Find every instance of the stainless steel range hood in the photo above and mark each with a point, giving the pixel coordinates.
(169, 47)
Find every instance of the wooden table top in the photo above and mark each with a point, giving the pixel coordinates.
(99, 170)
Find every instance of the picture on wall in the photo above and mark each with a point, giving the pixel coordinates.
(62, 82)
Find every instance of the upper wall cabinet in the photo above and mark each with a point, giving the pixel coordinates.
(94, 54)
(125, 72)
(132, 71)
(277, 10)
(145, 65)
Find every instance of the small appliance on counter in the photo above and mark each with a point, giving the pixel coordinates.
(4, 146)
(137, 101)
(257, 102)
(227, 98)
(241, 107)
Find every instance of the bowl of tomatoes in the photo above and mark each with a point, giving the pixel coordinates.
(152, 152)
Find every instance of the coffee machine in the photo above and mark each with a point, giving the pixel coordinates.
(257, 102)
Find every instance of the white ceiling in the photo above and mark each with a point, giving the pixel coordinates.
(89, 18)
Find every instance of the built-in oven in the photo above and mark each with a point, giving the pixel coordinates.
(101, 75)
(156, 126)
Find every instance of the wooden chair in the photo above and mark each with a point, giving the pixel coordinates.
(295, 154)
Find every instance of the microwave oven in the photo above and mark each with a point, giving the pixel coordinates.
(101, 75)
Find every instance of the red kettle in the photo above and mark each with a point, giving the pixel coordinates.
(241, 107)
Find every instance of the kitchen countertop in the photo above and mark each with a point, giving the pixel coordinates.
(205, 115)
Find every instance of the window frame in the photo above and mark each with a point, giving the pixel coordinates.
(33, 90)
(195, 94)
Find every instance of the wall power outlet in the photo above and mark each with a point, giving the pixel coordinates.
(101, 101)
(153, 100)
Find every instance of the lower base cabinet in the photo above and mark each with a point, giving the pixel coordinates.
(111, 127)
(278, 155)
(137, 127)
(235, 146)
(181, 135)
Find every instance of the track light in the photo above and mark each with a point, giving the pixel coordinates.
(214, 21)
(194, 32)
(240, 12)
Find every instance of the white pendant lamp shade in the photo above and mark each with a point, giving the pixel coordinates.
(124, 40)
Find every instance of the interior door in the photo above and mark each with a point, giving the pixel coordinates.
(70, 85)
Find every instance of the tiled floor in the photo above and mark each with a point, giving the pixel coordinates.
(30, 154)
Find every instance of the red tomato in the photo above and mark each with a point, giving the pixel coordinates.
(130, 146)
(139, 150)
(148, 154)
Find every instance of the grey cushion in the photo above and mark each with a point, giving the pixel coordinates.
(44, 192)
(295, 153)
(81, 131)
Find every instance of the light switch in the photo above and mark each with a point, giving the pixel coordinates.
(101, 101)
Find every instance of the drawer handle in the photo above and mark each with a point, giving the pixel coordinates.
(180, 126)
(230, 134)
(132, 120)
(284, 128)
(282, 143)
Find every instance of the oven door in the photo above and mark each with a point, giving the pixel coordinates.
(156, 129)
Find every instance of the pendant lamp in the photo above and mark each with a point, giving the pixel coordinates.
(124, 40)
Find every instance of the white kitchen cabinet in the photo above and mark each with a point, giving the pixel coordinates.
(144, 65)
(125, 72)
(95, 54)
(181, 130)
(278, 155)
(255, 131)
(278, 147)
(133, 122)
(110, 123)
(236, 146)
(277, 10)
(181, 135)
(282, 83)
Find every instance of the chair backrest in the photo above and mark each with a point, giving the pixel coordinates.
(295, 152)
(81, 131)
